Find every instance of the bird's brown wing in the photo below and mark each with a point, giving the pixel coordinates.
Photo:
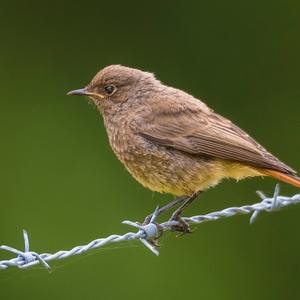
(206, 133)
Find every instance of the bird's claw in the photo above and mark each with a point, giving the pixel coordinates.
(183, 227)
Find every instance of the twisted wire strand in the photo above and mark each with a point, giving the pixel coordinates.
(147, 234)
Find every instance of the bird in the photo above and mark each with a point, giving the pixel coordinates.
(172, 142)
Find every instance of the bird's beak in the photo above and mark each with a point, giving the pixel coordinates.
(84, 92)
(79, 92)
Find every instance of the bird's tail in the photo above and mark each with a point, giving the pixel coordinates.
(288, 178)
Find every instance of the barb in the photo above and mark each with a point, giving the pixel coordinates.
(275, 203)
(25, 258)
(148, 234)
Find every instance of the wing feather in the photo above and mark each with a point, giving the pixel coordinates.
(203, 132)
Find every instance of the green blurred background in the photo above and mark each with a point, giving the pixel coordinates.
(60, 180)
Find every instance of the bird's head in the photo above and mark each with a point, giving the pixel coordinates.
(116, 84)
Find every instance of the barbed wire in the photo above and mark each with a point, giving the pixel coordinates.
(147, 234)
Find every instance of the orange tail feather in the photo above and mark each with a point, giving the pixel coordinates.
(288, 178)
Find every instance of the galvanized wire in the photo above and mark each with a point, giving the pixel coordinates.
(147, 234)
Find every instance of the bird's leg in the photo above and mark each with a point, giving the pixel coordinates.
(165, 208)
(176, 216)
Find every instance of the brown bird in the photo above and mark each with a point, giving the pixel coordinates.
(172, 142)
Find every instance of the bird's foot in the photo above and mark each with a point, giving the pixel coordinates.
(147, 220)
(183, 227)
(164, 209)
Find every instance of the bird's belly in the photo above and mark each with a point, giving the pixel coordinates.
(180, 174)
(174, 172)
(167, 170)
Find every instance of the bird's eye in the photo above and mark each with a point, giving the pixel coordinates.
(109, 89)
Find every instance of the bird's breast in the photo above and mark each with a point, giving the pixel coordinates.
(158, 168)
